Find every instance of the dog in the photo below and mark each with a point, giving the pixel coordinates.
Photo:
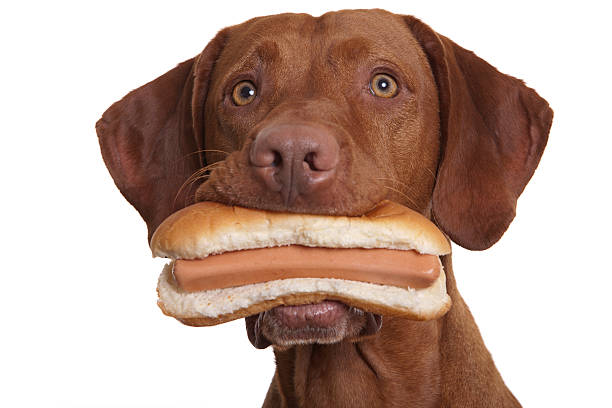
(331, 115)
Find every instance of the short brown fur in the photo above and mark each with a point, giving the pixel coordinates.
(458, 143)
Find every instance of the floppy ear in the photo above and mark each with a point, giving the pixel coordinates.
(493, 132)
(149, 142)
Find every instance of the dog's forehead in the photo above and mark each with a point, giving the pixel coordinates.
(371, 23)
(297, 35)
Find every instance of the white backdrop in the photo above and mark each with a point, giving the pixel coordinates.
(80, 327)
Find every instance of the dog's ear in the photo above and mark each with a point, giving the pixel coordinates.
(151, 141)
(493, 132)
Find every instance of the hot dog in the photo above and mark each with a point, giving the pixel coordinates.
(231, 262)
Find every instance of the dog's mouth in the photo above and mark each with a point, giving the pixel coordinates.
(302, 279)
(325, 322)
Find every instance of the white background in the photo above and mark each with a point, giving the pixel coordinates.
(79, 323)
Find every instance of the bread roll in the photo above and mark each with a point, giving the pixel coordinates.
(211, 229)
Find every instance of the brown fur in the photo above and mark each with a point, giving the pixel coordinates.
(440, 363)
(458, 143)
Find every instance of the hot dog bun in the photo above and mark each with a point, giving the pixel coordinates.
(209, 229)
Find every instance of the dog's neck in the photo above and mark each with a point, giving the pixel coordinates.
(424, 364)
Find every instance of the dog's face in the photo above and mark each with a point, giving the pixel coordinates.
(330, 115)
(338, 83)
(361, 102)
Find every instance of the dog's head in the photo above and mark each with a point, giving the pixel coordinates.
(330, 115)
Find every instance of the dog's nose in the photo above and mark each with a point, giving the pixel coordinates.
(295, 160)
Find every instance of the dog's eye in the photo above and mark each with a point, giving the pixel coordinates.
(383, 85)
(244, 92)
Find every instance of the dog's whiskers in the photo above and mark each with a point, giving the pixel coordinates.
(197, 175)
(433, 176)
(186, 156)
(406, 186)
(207, 150)
(403, 195)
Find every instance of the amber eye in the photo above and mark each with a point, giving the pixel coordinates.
(383, 85)
(244, 92)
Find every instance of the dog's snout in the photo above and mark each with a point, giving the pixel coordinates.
(294, 160)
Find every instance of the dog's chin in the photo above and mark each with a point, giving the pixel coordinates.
(326, 322)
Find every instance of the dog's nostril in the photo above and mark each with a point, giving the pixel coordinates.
(278, 159)
(294, 160)
(309, 158)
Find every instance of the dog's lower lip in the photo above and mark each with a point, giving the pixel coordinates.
(319, 315)
(324, 323)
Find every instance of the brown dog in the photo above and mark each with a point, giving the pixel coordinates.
(330, 115)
